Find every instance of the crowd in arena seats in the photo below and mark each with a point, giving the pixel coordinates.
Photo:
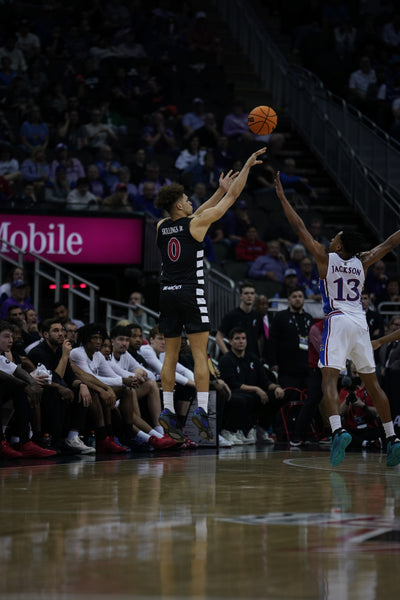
(354, 48)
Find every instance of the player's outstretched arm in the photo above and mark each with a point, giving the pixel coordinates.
(372, 256)
(200, 222)
(386, 339)
(298, 226)
(225, 182)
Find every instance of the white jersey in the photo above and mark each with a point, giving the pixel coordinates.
(97, 366)
(341, 289)
(127, 365)
(182, 374)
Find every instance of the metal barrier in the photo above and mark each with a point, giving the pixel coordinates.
(113, 315)
(47, 271)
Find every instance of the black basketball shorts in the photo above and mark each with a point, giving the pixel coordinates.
(183, 307)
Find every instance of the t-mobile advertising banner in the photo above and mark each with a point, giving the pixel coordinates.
(75, 239)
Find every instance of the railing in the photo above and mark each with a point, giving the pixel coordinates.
(359, 155)
(126, 311)
(44, 271)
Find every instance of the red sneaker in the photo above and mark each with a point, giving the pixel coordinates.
(32, 450)
(8, 451)
(189, 444)
(108, 446)
(162, 443)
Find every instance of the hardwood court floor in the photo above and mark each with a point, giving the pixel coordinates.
(242, 523)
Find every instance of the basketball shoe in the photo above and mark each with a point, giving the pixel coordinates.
(341, 439)
(393, 451)
(200, 419)
(169, 422)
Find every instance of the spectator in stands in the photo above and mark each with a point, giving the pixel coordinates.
(250, 246)
(359, 82)
(376, 281)
(61, 312)
(246, 317)
(96, 185)
(124, 177)
(6, 75)
(80, 198)
(296, 254)
(374, 319)
(144, 202)
(9, 166)
(261, 179)
(207, 172)
(157, 138)
(27, 41)
(290, 283)
(194, 119)
(255, 398)
(199, 195)
(19, 297)
(31, 326)
(36, 169)
(270, 266)
(19, 387)
(13, 274)
(7, 134)
(109, 168)
(16, 56)
(190, 156)
(309, 279)
(56, 191)
(34, 131)
(142, 318)
(289, 179)
(66, 398)
(118, 201)
(315, 226)
(391, 34)
(208, 134)
(392, 292)
(138, 166)
(223, 155)
(152, 173)
(71, 131)
(97, 133)
(73, 166)
(289, 343)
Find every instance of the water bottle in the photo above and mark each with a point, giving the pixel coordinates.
(92, 440)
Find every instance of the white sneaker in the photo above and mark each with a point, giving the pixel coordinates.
(250, 438)
(224, 443)
(77, 444)
(266, 438)
(233, 438)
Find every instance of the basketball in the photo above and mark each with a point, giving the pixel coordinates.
(262, 120)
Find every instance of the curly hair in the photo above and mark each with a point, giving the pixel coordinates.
(168, 195)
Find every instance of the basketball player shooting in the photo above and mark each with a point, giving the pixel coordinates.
(182, 291)
(342, 273)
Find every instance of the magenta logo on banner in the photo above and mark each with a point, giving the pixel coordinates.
(75, 239)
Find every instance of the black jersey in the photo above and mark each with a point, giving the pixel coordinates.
(182, 256)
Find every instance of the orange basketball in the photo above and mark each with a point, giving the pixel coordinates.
(262, 120)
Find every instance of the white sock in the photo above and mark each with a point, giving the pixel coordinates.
(14, 439)
(202, 400)
(168, 400)
(159, 429)
(142, 437)
(4, 428)
(389, 429)
(335, 422)
(72, 434)
(156, 433)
